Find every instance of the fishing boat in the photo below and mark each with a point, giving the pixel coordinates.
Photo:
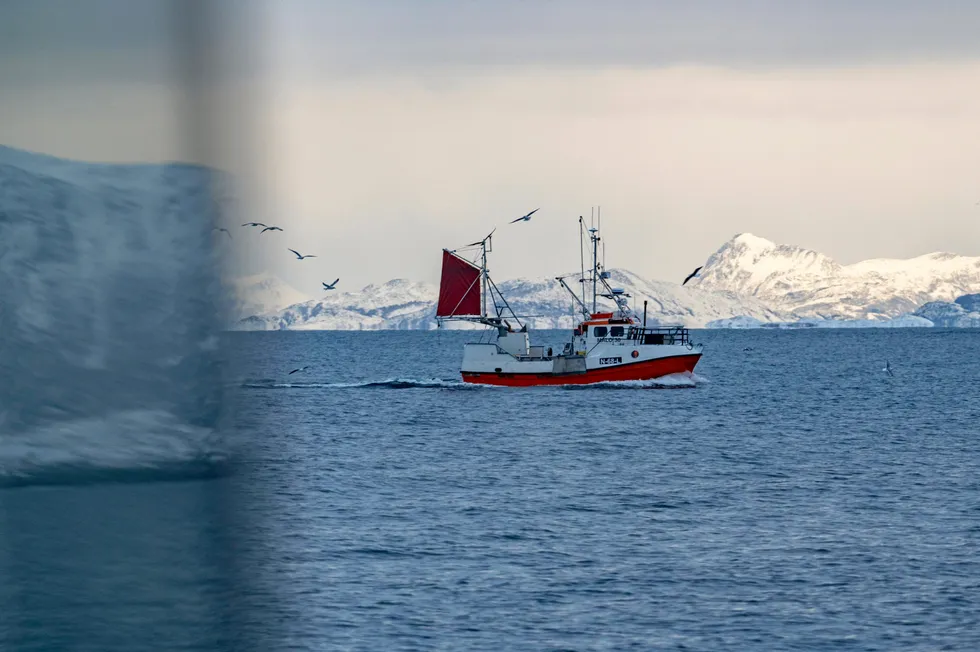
(608, 345)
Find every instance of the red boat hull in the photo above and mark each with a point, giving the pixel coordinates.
(647, 370)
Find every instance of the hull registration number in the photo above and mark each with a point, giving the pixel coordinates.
(610, 360)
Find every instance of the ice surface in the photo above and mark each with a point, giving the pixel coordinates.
(110, 304)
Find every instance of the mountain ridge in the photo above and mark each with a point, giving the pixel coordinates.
(747, 277)
(808, 284)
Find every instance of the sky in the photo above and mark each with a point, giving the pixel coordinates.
(378, 132)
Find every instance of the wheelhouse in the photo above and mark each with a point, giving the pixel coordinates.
(604, 327)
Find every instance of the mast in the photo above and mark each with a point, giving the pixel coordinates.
(485, 275)
(595, 264)
(466, 286)
(581, 251)
(597, 276)
(599, 214)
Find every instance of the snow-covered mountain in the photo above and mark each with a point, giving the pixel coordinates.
(548, 305)
(962, 313)
(748, 278)
(262, 294)
(401, 304)
(806, 284)
(395, 305)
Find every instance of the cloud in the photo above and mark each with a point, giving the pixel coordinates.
(49, 42)
(858, 162)
(379, 132)
(388, 36)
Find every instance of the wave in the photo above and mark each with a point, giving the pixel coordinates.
(673, 381)
(130, 446)
(390, 383)
(667, 382)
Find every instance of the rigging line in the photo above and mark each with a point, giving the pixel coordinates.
(585, 311)
(502, 298)
(598, 342)
(486, 332)
(496, 307)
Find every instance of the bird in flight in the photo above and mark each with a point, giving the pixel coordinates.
(270, 228)
(253, 224)
(331, 286)
(692, 275)
(300, 256)
(888, 368)
(218, 228)
(299, 369)
(526, 218)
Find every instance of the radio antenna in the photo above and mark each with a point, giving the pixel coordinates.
(581, 250)
(602, 241)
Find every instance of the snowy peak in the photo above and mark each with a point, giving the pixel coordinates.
(263, 293)
(752, 242)
(806, 283)
(753, 266)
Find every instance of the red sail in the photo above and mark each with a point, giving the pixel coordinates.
(459, 291)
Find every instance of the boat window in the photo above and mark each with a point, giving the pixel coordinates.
(616, 331)
(599, 331)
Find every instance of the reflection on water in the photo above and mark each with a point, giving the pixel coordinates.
(117, 566)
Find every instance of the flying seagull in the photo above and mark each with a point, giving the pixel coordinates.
(300, 256)
(692, 275)
(270, 228)
(300, 369)
(331, 286)
(253, 224)
(888, 368)
(227, 232)
(526, 218)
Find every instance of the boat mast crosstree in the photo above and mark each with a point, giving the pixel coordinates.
(605, 346)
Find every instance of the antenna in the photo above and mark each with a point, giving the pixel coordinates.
(485, 275)
(603, 241)
(581, 250)
(593, 234)
(592, 237)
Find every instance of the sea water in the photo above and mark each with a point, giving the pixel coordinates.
(791, 495)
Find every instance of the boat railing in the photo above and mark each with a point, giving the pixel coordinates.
(661, 335)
